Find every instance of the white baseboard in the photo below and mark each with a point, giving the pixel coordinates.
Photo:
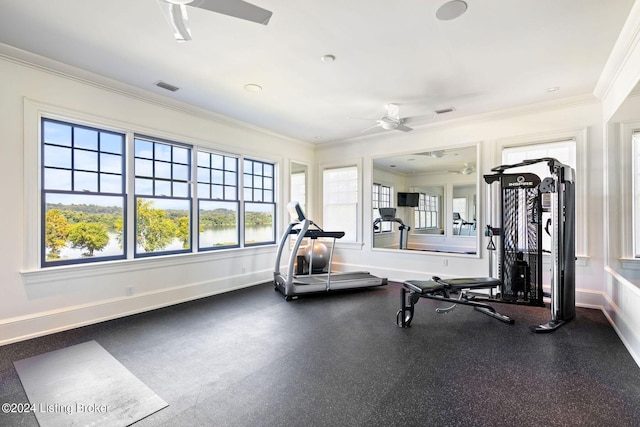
(44, 323)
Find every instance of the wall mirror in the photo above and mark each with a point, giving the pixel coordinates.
(299, 180)
(434, 194)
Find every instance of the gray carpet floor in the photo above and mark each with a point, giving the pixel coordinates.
(249, 358)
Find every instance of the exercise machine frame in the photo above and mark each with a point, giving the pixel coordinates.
(389, 215)
(291, 285)
(440, 290)
(524, 198)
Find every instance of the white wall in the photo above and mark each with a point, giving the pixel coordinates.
(38, 301)
(622, 288)
(621, 112)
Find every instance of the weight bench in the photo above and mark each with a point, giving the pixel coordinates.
(440, 289)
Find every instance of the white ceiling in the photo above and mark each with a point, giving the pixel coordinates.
(500, 54)
(452, 160)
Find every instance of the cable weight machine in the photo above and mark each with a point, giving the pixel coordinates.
(525, 200)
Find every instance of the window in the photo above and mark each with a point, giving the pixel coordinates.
(636, 194)
(83, 194)
(426, 214)
(259, 202)
(340, 196)
(218, 205)
(299, 188)
(181, 198)
(162, 197)
(381, 198)
(563, 151)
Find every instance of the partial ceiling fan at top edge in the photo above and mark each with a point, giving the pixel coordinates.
(175, 12)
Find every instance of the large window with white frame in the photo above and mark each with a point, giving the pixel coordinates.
(183, 198)
(426, 213)
(636, 192)
(381, 198)
(340, 201)
(299, 188)
(563, 151)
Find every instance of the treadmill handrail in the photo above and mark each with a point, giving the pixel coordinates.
(315, 234)
(302, 230)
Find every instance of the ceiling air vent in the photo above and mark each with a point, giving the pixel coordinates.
(167, 86)
(445, 110)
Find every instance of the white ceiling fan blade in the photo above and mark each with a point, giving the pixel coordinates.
(436, 154)
(413, 119)
(404, 128)
(370, 128)
(176, 15)
(236, 8)
(362, 118)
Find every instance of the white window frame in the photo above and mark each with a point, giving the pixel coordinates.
(582, 177)
(635, 192)
(629, 226)
(385, 226)
(357, 241)
(32, 269)
(427, 208)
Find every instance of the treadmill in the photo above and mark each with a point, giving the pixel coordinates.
(291, 285)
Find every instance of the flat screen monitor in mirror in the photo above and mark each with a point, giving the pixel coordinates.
(408, 199)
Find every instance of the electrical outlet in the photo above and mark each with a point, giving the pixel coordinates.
(445, 262)
(130, 291)
(244, 269)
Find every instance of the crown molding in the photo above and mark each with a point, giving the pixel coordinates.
(50, 66)
(621, 73)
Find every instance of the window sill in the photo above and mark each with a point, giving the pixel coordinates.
(630, 263)
(349, 245)
(70, 272)
(581, 260)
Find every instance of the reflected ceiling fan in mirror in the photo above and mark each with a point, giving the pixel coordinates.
(175, 11)
(468, 169)
(391, 120)
(437, 154)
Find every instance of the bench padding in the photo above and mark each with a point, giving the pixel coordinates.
(472, 282)
(423, 286)
(430, 286)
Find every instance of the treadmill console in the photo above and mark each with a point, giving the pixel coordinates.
(295, 210)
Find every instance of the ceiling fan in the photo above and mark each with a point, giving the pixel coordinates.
(468, 169)
(176, 13)
(392, 120)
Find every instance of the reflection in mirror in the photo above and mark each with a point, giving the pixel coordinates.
(298, 190)
(464, 210)
(435, 196)
(428, 216)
